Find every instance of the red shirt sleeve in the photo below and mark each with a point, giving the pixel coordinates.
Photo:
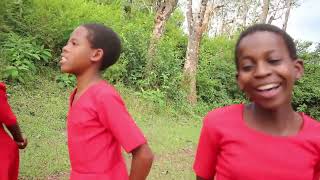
(6, 115)
(114, 115)
(206, 156)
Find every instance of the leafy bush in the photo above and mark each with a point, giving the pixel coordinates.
(52, 21)
(216, 73)
(307, 91)
(66, 80)
(22, 54)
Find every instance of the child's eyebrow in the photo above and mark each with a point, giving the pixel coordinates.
(73, 39)
(270, 51)
(245, 57)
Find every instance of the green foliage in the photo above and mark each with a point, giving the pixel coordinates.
(22, 54)
(217, 74)
(170, 51)
(52, 21)
(66, 80)
(307, 91)
(135, 36)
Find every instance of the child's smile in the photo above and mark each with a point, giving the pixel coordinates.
(268, 90)
(63, 60)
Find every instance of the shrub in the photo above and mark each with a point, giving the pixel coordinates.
(22, 55)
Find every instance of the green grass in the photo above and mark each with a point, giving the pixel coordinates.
(41, 106)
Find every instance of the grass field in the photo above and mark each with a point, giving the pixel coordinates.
(41, 109)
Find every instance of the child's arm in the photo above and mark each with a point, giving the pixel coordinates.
(200, 178)
(8, 118)
(17, 136)
(142, 158)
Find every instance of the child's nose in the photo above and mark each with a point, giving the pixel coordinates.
(64, 49)
(262, 70)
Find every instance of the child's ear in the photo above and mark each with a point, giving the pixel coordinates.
(299, 69)
(96, 55)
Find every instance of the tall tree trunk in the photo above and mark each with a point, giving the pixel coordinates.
(190, 68)
(244, 12)
(197, 24)
(288, 5)
(265, 10)
(164, 11)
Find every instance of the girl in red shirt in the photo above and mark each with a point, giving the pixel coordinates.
(265, 139)
(9, 153)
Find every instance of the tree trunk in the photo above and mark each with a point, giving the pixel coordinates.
(164, 11)
(265, 10)
(190, 68)
(244, 13)
(197, 24)
(288, 4)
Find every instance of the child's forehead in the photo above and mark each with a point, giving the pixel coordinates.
(262, 39)
(79, 32)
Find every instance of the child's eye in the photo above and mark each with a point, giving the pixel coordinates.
(247, 68)
(274, 61)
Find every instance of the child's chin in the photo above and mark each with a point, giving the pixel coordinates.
(273, 105)
(64, 69)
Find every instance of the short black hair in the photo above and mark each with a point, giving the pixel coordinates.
(269, 28)
(104, 38)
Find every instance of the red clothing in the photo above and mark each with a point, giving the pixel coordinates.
(98, 125)
(230, 150)
(9, 156)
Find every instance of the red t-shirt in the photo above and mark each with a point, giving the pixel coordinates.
(98, 125)
(228, 149)
(9, 152)
(7, 117)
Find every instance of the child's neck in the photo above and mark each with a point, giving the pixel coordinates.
(86, 79)
(281, 121)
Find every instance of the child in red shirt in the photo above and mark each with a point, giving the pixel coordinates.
(9, 156)
(98, 123)
(265, 139)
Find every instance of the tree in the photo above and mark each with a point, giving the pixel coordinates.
(288, 4)
(197, 25)
(164, 11)
(244, 12)
(265, 10)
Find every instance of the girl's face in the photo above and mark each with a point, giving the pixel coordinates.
(75, 57)
(266, 72)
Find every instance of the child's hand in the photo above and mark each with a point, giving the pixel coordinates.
(22, 144)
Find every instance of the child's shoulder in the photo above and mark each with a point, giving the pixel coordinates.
(230, 110)
(311, 123)
(2, 87)
(103, 89)
(224, 115)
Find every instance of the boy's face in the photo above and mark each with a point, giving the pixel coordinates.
(75, 56)
(266, 72)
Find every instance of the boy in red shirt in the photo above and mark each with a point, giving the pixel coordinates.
(98, 123)
(9, 152)
(265, 139)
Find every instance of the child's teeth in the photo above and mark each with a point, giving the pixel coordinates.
(63, 59)
(267, 86)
